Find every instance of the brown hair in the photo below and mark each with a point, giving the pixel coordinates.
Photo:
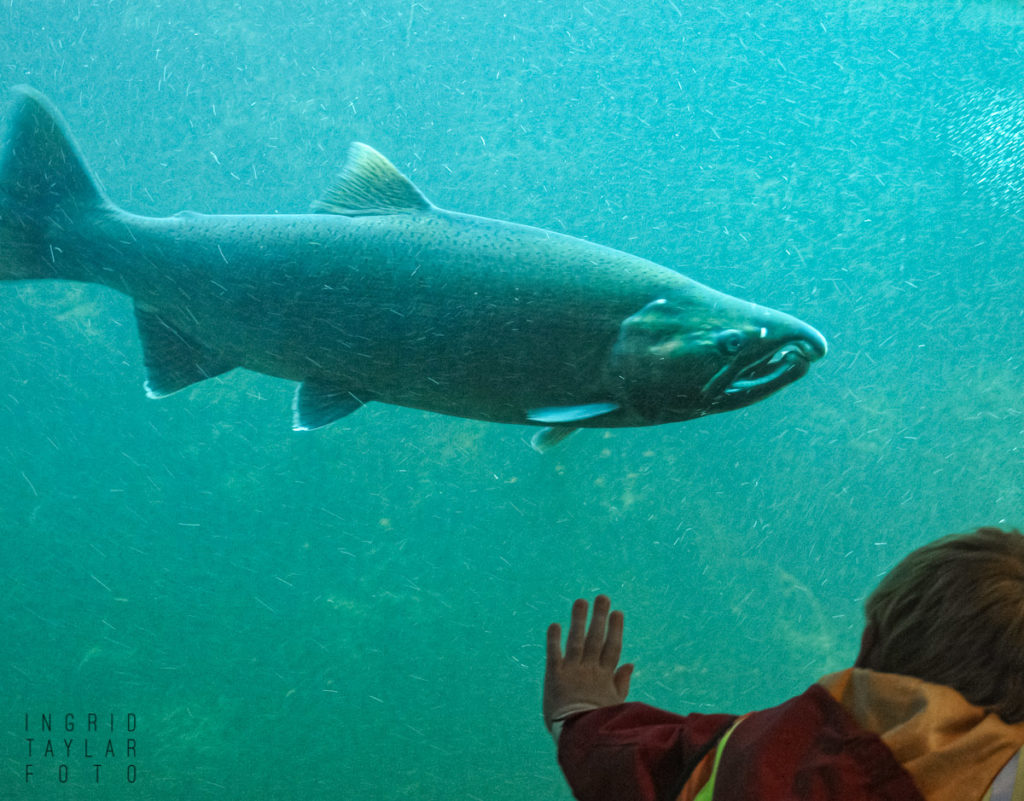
(952, 612)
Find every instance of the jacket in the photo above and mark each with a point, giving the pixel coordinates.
(857, 735)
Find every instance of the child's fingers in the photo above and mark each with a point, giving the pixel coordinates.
(577, 629)
(612, 649)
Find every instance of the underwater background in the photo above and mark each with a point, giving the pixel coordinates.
(359, 612)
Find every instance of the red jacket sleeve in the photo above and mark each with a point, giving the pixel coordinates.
(634, 752)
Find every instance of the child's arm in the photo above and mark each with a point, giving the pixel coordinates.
(611, 750)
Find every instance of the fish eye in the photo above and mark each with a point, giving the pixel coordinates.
(729, 341)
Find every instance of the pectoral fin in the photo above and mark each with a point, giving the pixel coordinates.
(556, 415)
(173, 360)
(316, 405)
(560, 419)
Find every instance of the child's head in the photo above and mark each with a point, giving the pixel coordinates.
(952, 613)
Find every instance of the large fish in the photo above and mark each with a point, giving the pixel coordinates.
(378, 295)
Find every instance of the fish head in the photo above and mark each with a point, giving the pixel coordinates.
(705, 352)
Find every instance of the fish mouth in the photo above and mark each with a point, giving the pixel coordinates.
(774, 371)
(758, 379)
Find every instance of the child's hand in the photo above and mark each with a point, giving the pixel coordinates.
(587, 676)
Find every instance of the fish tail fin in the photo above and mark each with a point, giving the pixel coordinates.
(45, 186)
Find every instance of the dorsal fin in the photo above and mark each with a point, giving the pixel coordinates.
(370, 184)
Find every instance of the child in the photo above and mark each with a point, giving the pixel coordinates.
(932, 710)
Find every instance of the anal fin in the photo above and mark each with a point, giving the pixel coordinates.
(173, 360)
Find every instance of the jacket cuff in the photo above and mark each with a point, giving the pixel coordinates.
(566, 712)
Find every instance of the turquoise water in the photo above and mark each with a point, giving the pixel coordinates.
(358, 612)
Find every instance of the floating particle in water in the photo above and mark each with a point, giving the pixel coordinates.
(987, 132)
